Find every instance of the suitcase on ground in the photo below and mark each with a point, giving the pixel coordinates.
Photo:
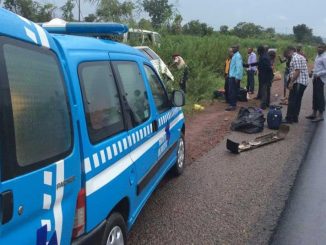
(274, 117)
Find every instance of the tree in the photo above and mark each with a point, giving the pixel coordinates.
(224, 29)
(67, 9)
(270, 30)
(45, 12)
(145, 24)
(159, 11)
(243, 29)
(317, 39)
(31, 10)
(196, 28)
(25, 8)
(176, 26)
(113, 10)
(90, 18)
(302, 33)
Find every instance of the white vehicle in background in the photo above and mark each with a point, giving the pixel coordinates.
(140, 37)
(156, 61)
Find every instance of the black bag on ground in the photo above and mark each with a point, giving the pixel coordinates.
(242, 95)
(249, 121)
(218, 94)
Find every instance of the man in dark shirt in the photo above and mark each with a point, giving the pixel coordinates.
(265, 75)
(260, 85)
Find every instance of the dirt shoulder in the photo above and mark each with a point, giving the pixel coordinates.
(204, 129)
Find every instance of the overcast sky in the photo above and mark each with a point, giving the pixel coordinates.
(280, 14)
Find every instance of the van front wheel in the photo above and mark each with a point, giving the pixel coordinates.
(179, 165)
(115, 231)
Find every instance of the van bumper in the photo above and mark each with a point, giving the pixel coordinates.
(95, 236)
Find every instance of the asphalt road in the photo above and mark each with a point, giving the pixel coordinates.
(224, 198)
(304, 218)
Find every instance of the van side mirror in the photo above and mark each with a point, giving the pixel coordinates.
(178, 98)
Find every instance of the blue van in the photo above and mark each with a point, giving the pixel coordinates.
(87, 131)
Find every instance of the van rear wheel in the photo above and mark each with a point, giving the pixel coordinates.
(115, 231)
(179, 165)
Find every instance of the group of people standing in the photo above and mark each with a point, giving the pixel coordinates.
(296, 78)
(234, 71)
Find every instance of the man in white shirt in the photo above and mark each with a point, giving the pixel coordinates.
(251, 70)
(319, 79)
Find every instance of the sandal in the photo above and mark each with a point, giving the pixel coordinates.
(317, 120)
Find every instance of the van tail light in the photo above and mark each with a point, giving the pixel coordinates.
(79, 225)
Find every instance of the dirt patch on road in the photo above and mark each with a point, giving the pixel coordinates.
(204, 129)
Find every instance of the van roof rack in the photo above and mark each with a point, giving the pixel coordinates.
(60, 26)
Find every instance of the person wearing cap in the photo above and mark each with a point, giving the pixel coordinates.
(181, 65)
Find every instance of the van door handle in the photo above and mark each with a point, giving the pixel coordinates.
(7, 206)
(155, 126)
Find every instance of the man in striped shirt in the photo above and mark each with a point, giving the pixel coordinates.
(299, 79)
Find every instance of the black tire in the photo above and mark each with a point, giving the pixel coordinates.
(115, 229)
(178, 167)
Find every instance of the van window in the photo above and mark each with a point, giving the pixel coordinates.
(101, 100)
(35, 117)
(158, 91)
(135, 91)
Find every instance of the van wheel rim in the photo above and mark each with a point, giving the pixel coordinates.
(181, 153)
(115, 237)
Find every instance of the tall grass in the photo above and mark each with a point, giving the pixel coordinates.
(205, 58)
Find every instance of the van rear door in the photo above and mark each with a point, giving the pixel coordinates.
(40, 162)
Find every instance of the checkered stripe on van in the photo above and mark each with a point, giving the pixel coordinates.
(163, 120)
(113, 150)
